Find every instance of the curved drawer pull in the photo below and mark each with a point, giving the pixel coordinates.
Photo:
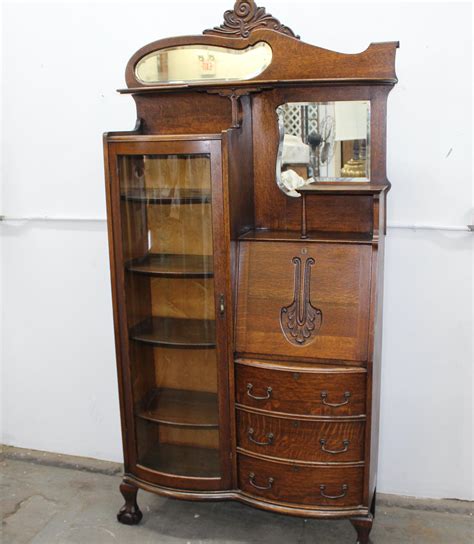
(263, 488)
(334, 452)
(344, 488)
(270, 438)
(249, 393)
(324, 396)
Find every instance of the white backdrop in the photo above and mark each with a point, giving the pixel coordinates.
(62, 63)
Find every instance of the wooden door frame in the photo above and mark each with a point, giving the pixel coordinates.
(188, 144)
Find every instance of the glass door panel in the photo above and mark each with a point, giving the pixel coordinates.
(166, 207)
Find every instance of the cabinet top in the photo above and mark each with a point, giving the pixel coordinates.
(252, 50)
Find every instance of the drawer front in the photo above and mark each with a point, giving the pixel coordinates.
(303, 300)
(329, 394)
(327, 486)
(318, 441)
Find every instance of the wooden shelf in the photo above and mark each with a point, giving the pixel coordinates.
(183, 461)
(169, 331)
(264, 235)
(343, 187)
(168, 265)
(182, 408)
(167, 196)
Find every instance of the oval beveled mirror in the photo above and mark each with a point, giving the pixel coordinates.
(194, 63)
(323, 141)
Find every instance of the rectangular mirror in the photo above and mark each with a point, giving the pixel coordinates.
(323, 141)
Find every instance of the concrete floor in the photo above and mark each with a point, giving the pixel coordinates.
(51, 499)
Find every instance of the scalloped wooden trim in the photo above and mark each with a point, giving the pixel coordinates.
(245, 18)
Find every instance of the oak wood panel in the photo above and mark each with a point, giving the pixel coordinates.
(186, 298)
(299, 484)
(191, 369)
(298, 440)
(375, 354)
(238, 143)
(184, 113)
(339, 288)
(300, 392)
(181, 231)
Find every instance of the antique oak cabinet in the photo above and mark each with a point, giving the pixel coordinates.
(246, 215)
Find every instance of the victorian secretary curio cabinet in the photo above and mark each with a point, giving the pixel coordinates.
(246, 215)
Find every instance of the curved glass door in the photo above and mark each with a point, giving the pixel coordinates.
(166, 207)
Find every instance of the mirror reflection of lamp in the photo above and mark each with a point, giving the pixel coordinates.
(314, 141)
(352, 125)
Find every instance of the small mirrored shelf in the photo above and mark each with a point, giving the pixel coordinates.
(172, 331)
(167, 195)
(169, 265)
(191, 461)
(180, 407)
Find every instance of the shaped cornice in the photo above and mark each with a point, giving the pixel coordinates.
(245, 18)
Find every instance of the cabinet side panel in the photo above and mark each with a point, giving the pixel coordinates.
(240, 173)
(375, 352)
(113, 221)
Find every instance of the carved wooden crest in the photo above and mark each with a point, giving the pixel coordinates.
(300, 321)
(245, 18)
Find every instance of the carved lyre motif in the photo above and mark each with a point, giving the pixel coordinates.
(300, 321)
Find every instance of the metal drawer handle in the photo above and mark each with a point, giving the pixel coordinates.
(249, 393)
(270, 437)
(263, 488)
(324, 396)
(344, 488)
(334, 452)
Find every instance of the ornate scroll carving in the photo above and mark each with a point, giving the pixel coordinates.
(300, 321)
(245, 18)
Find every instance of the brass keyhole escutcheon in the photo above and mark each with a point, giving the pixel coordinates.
(296, 375)
(304, 251)
(296, 424)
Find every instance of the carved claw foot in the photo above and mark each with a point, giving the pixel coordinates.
(129, 514)
(363, 526)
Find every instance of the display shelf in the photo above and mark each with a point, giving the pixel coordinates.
(264, 235)
(181, 407)
(191, 461)
(169, 265)
(167, 195)
(171, 331)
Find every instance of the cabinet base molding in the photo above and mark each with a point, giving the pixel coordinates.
(236, 495)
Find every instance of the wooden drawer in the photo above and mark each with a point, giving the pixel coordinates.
(329, 486)
(327, 392)
(304, 300)
(317, 441)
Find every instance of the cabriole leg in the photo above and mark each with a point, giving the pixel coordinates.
(129, 514)
(363, 526)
